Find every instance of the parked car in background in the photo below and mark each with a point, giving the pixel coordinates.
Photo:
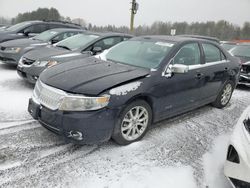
(32, 28)
(228, 45)
(79, 46)
(237, 165)
(11, 51)
(137, 82)
(3, 27)
(242, 51)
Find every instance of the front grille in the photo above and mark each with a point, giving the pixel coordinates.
(6, 59)
(48, 96)
(245, 69)
(27, 61)
(247, 124)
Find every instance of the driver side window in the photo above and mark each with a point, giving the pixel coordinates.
(189, 54)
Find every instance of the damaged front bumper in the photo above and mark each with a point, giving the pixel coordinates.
(88, 127)
(244, 75)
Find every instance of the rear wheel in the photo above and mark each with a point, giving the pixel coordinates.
(225, 95)
(133, 123)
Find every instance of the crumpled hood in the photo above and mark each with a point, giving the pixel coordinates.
(21, 43)
(90, 76)
(45, 53)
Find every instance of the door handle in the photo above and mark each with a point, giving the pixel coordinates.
(226, 68)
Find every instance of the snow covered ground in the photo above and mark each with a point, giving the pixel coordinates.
(183, 152)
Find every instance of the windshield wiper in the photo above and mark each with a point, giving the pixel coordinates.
(65, 47)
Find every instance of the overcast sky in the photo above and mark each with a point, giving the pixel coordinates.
(103, 12)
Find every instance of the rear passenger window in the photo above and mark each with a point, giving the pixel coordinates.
(189, 54)
(37, 28)
(212, 53)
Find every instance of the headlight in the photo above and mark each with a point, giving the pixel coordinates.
(45, 63)
(82, 103)
(51, 63)
(41, 63)
(12, 50)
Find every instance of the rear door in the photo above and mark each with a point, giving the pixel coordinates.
(215, 70)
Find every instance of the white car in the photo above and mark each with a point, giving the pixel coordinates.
(237, 166)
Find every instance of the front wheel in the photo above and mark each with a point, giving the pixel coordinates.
(225, 95)
(133, 123)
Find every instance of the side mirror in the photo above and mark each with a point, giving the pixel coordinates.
(53, 41)
(26, 32)
(176, 68)
(96, 50)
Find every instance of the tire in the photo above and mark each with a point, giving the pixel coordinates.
(225, 95)
(132, 123)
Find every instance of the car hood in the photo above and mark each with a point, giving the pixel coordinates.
(67, 56)
(90, 76)
(45, 52)
(21, 43)
(5, 36)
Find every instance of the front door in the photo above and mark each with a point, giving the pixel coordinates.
(181, 91)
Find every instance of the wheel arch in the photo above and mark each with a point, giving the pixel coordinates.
(144, 97)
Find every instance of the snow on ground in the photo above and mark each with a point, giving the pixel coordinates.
(14, 95)
(147, 177)
(185, 151)
(214, 162)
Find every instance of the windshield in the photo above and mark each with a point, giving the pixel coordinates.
(18, 26)
(140, 53)
(243, 51)
(45, 36)
(77, 41)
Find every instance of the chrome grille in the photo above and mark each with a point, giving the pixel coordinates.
(48, 96)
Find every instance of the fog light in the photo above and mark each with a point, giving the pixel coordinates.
(76, 135)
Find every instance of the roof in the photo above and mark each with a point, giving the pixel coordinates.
(169, 38)
(107, 34)
(53, 21)
(214, 39)
(60, 30)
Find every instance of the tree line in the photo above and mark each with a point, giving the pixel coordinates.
(223, 30)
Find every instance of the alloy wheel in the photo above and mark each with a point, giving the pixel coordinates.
(134, 123)
(226, 94)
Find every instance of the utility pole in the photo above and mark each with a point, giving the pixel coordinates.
(135, 7)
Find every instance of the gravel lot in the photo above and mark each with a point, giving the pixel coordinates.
(186, 151)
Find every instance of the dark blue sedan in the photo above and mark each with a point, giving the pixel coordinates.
(121, 92)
